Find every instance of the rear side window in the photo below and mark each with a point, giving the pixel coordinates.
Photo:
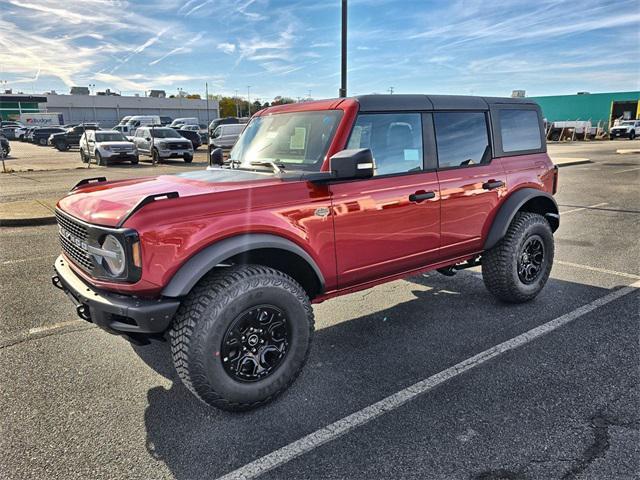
(395, 139)
(520, 130)
(462, 138)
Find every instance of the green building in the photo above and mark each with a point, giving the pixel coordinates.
(11, 106)
(597, 107)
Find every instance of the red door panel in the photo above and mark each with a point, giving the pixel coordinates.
(379, 231)
(466, 206)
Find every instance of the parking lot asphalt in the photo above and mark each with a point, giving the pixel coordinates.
(79, 403)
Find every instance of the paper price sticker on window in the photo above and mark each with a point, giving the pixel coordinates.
(297, 141)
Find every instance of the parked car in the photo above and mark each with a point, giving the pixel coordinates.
(136, 121)
(20, 132)
(5, 146)
(9, 131)
(225, 136)
(625, 129)
(165, 121)
(179, 122)
(225, 121)
(41, 135)
(10, 123)
(193, 135)
(161, 143)
(70, 137)
(323, 199)
(107, 146)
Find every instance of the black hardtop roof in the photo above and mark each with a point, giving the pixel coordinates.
(381, 103)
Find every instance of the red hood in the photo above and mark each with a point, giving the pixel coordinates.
(107, 203)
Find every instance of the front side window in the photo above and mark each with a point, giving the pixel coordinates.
(462, 138)
(395, 139)
(297, 140)
(519, 129)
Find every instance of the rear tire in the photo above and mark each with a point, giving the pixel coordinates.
(632, 135)
(62, 146)
(210, 334)
(135, 161)
(518, 267)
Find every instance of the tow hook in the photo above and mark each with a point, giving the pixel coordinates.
(56, 282)
(83, 312)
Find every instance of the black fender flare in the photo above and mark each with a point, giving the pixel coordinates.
(512, 205)
(202, 262)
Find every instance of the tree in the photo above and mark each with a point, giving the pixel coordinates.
(227, 107)
(282, 100)
(194, 96)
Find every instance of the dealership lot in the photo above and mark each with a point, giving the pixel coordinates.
(27, 157)
(79, 403)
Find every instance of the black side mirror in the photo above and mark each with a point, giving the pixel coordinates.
(348, 164)
(216, 158)
(148, 139)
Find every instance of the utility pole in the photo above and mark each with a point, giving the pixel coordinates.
(390, 90)
(206, 89)
(249, 99)
(237, 105)
(343, 67)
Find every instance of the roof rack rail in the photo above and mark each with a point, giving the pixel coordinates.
(87, 181)
(146, 200)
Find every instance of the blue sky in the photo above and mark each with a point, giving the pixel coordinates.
(292, 47)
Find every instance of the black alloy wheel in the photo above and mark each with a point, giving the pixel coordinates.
(531, 260)
(255, 344)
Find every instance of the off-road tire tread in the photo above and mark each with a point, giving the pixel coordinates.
(217, 290)
(496, 261)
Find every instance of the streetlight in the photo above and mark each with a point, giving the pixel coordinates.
(237, 105)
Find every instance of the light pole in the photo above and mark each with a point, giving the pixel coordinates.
(343, 66)
(249, 99)
(237, 105)
(206, 88)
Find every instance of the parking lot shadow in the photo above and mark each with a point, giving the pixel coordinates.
(353, 363)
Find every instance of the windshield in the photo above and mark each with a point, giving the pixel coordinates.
(628, 122)
(110, 137)
(165, 133)
(298, 141)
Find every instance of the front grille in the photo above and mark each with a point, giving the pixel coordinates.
(178, 146)
(75, 252)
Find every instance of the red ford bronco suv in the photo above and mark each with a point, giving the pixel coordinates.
(317, 200)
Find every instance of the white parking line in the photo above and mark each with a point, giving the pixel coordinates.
(54, 326)
(627, 170)
(21, 260)
(584, 208)
(596, 269)
(331, 432)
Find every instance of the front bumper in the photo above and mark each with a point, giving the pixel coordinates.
(119, 156)
(113, 312)
(619, 134)
(175, 153)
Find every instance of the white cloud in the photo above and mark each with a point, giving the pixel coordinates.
(227, 48)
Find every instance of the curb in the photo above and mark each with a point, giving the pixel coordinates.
(27, 222)
(626, 151)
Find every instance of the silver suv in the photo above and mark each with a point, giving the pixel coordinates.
(161, 143)
(107, 146)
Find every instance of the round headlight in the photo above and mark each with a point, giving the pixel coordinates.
(163, 145)
(116, 261)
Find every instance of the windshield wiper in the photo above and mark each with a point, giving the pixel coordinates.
(277, 167)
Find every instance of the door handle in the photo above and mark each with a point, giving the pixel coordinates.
(421, 196)
(492, 184)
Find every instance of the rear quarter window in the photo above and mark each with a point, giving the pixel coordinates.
(520, 130)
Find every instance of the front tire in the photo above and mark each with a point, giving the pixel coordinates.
(518, 267)
(100, 161)
(632, 135)
(242, 336)
(188, 158)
